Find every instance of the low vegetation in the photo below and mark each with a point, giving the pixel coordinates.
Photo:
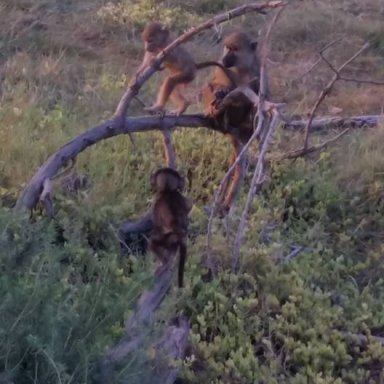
(316, 317)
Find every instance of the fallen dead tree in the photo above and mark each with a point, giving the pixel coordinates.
(330, 122)
(172, 343)
(170, 346)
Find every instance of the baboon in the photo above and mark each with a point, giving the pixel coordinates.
(179, 64)
(170, 218)
(233, 116)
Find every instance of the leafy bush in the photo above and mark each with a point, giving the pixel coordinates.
(62, 304)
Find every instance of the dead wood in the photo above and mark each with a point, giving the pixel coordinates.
(263, 132)
(318, 61)
(256, 183)
(336, 122)
(302, 152)
(139, 325)
(327, 89)
(171, 347)
(30, 195)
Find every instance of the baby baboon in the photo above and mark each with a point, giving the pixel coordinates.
(234, 115)
(178, 63)
(170, 218)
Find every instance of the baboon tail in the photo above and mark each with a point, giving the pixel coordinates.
(226, 71)
(182, 256)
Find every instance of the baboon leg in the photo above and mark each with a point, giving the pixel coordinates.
(238, 174)
(179, 100)
(168, 87)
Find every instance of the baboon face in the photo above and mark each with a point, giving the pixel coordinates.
(167, 179)
(155, 36)
(239, 51)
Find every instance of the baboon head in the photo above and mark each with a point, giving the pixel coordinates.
(167, 179)
(239, 51)
(155, 37)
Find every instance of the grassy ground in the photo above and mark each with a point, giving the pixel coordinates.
(63, 68)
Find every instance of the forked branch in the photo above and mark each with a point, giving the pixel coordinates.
(327, 89)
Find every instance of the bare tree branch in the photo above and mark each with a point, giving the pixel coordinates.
(301, 152)
(329, 45)
(297, 249)
(336, 122)
(257, 181)
(258, 175)
(361, 81)
(137, 325)
(327, 90)
(30, 195)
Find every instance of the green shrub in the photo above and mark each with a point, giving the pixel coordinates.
(61, 303)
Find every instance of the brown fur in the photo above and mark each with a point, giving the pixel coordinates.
(178, 63)
(170, 218)
(234, 115)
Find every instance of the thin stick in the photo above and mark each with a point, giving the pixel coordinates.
(302, 151)
(257, 181)
(327, 90)
(329, 45)
(263, 145)
(361, 81)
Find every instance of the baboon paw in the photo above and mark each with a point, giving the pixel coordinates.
(154, 109)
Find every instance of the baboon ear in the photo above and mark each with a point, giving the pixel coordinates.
(254, 45)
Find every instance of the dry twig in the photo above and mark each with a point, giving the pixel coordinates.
(301, 152)
(336, 122)
(141, 319)
(327, 90)
(257, 181)
(258, 175)
(318, 61)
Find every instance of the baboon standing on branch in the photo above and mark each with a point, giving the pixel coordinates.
(178, 63)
